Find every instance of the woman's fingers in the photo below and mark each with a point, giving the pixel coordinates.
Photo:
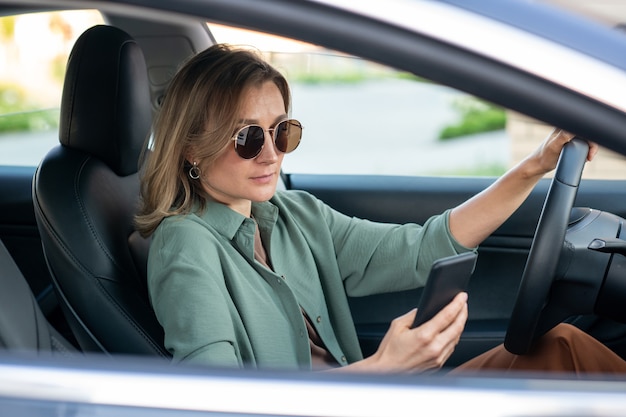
(440, 335)
(404, 349)
(447, 315)
(593, 150)
(550, 150)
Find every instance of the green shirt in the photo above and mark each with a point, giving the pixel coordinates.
(219, 306)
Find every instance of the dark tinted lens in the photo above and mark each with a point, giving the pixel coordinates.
(287, 135)
(249, 141)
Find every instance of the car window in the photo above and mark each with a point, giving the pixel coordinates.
(363, 118)
(33, 53)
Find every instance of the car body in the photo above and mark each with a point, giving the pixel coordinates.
(538, 62)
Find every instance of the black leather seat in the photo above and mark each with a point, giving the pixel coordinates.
(23, 327)
(86, 192)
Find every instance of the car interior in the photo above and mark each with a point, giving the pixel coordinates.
(77, 268)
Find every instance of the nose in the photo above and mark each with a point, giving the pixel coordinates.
(269, 153)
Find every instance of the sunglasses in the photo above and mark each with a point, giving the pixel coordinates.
(249, 140)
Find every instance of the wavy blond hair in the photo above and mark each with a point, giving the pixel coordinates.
(198, 117)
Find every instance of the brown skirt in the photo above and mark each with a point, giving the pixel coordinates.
(563, 349)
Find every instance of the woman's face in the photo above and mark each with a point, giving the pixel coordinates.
(235, 181)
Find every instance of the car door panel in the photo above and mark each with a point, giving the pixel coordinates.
(502, 256)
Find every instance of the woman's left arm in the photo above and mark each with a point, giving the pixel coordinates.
(474, 220)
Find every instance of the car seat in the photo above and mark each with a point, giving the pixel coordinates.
(23, 326)
(86, 191)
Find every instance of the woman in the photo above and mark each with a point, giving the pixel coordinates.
(241, 275)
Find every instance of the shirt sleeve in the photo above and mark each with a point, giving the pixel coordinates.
(177, 272)
(379, 257)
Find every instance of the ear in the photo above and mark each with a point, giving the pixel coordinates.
(189, 156)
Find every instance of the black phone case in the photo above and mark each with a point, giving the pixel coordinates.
(448, 277)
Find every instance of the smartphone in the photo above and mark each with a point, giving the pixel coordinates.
(448, 277)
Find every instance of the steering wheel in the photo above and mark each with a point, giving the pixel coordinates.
(543, 257)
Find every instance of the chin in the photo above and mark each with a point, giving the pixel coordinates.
(263, 196)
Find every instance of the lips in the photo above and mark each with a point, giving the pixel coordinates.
(263, 178)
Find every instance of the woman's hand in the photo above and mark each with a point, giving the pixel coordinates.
(428, 346)
(474, 220)
(546, 156)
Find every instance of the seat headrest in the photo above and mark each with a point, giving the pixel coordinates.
(105, 106)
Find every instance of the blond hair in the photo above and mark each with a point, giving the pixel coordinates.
(198, 118)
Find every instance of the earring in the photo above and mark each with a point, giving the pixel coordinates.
(194, 171)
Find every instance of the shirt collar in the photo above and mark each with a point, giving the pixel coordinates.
(228, 222)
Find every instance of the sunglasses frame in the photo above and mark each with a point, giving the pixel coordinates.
(272, 132)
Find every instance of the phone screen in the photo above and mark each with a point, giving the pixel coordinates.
(448, 277)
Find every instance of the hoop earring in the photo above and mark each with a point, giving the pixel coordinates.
(194, 171)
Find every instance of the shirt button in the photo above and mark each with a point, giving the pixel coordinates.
(343, 359)
(280, 282)
(319, 319)
(301, 333)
